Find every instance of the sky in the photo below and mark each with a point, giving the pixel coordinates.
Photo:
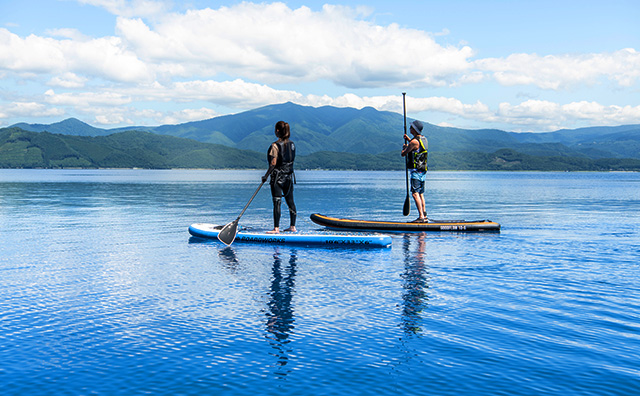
(522, 66)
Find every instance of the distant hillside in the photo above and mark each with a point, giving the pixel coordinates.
(138, 149)
(70, 126)
(368, 131)
(132, 149)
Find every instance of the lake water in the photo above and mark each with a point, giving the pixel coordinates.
(103, 292)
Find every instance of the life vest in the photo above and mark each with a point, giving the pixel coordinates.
(286, 156)
(418, 160)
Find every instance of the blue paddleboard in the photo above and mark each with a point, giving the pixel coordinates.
(210, 231)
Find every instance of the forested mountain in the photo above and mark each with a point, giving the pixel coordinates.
(139, 149)
(368, 131)
(131, 149)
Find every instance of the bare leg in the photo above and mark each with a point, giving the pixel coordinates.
(420, 205)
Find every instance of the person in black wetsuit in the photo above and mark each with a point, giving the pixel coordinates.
(280, 156)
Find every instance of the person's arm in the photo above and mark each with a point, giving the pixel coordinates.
(407, 148)
(273, 152)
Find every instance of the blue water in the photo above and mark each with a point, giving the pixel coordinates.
(103, 292)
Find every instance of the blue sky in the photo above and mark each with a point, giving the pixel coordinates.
(513, 65)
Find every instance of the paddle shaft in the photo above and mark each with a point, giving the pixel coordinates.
(404, 112)
(247, 205)
(406, 209)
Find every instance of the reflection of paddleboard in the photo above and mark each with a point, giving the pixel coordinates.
(210, 231)
(431, 225)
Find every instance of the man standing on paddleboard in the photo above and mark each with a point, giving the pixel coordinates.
(416, 149)
(280, 156)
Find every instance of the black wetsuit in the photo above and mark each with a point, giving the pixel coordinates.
(282, 181)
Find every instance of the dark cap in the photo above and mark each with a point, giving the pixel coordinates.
(417, 125)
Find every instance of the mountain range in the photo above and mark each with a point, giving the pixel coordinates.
(326, 137)
(371, 131)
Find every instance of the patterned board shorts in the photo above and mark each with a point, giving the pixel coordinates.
(418, 179)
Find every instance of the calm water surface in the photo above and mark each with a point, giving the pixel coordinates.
(102, 291)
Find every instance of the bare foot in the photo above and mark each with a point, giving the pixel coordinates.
(291, 229)
(274, 231)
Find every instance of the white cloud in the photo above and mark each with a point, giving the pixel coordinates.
(111, 118)
(563, 71)
(29, 109)
(449, 105)
(234, 57)
(86, 99)
(186, 115)
(31, 54)
(231, 93)
(104, 57)
(554, 115)
(600, 114)
(68, 80)
(273, 43)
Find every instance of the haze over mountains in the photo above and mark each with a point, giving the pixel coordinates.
(368, 131)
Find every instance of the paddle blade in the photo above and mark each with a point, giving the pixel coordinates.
(228, 233)
(407, 207)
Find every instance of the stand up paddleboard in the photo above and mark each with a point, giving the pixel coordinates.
(211, 231)
(398, 226)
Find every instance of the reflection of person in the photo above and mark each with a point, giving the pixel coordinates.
(416, 152)
(414, 298)
(281, 155)
(280, 314)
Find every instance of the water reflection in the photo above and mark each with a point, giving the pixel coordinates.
(280, 312)
(415, 285)
(229, 258)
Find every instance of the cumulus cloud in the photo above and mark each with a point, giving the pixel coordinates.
(68, 80)
(553, 115)
(274, 44)
(111, 118)
(29, 109)
(232, 93)
(86, 99)
(104, 57)
(562, 71)
(235, 57)
(186, 115)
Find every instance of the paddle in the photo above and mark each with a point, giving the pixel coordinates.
(406, 209)
(228, 233)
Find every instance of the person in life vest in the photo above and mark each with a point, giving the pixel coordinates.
(415, 151)
(280, 157)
